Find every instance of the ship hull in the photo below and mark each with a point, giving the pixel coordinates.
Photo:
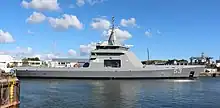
(81, 73)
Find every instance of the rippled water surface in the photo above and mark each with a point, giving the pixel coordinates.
(63, 93)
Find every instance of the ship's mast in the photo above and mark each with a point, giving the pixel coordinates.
(148, 56)
(111, 39)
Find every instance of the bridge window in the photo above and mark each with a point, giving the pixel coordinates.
(111, 47)
(107, 47)
(92, 58)
(112, 63)
(107, 54)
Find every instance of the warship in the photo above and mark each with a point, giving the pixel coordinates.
(113, 60)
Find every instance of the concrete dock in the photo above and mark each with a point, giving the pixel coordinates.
(9, 91)
(210, 74)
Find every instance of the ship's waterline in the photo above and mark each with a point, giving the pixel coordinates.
(148, 73)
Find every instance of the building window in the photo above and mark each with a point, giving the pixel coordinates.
(112, 63)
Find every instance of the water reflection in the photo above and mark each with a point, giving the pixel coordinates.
(112, 94)
(117, 93)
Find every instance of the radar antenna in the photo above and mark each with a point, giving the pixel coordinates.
(111, 39)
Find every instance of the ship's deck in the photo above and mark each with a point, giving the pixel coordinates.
(145, 68)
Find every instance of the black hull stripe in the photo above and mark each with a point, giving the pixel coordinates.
(105, 78)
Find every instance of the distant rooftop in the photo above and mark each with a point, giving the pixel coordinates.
(71, 59)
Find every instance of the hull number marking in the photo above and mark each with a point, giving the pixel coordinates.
(177, 70)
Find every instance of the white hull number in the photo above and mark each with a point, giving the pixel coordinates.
(177, 70)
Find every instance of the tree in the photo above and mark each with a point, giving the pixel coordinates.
(25, 60)
(31, 59)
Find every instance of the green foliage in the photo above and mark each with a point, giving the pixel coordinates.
(154, 61)
(44, 64)
(30, 59)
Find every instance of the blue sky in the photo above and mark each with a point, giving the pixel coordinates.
(170, 29)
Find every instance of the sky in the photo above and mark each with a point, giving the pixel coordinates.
(70, 28)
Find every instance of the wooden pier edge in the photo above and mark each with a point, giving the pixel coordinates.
(13, 104)
(9, 91)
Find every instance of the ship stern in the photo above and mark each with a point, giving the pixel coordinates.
(195, 71)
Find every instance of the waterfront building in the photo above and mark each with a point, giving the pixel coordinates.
(17, 62)
(202, 60)
(6, 63)
(35, 63)
(67, 62)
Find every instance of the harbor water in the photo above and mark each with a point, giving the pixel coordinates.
(67, 93)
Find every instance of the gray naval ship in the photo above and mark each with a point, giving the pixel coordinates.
(112, 60)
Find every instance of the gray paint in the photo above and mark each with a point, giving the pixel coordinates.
(119, 73)
(131, 67)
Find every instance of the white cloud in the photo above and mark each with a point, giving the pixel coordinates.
(72, 52)
(30, 32)
(51, 5)
(91, 2)
(36, 18)
(20, 50)
(121, 35)
(103, 24)
(29, 49)
(148, 33)
(158, 32)
(6, 37)
(129, 45)
(130, 22)
(80, 2)
(100, 24)
(25, 4)
(86, 49)
(46, 56)
(37, 55)
(65, 22)
(4, 52)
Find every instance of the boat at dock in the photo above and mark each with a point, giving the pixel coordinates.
(110, 59)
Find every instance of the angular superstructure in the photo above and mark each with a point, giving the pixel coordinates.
(113, 55)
